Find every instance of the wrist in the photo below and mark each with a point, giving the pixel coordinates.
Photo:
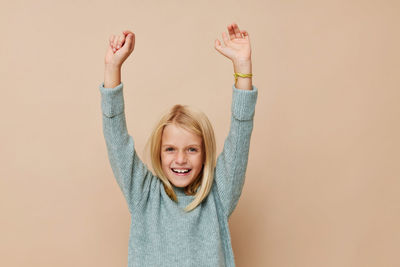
(112, 67)
(242, 66)
(112, 76)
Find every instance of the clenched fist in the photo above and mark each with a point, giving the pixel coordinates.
(119, 49)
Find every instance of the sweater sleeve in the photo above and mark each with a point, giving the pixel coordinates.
(232, 162)
(131, 174)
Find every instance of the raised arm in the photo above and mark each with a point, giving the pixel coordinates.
(232, 162)
(131, 174)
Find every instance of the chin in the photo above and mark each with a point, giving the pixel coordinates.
(178, 183)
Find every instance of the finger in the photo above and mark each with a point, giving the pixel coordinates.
(231, 32)
(237, 31)
(127, 32)
(112, 40)
(128, 42)
(217, 45)
(225, 38)
(246, 35)
(220, 48)
(129, 36)
(121, 41)
(115, 42)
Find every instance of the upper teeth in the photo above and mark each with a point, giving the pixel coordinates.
(180, 170)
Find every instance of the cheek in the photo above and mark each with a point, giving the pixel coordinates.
(198, 161)
(164, 160)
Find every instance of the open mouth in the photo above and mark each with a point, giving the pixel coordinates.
(181, 171)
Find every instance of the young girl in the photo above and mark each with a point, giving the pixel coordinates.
(179, 215)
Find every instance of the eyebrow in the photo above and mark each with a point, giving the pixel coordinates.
(186, 146)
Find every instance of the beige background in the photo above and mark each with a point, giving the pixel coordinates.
(322, 186)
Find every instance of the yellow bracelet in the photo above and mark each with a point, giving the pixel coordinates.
(238, 74)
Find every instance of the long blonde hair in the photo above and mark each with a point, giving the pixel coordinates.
(197, 122)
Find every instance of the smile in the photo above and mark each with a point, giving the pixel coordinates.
(181, 171)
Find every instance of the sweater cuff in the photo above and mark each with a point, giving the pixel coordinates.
(244, 103)
(112, 100)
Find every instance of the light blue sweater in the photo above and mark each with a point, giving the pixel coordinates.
(161, 233)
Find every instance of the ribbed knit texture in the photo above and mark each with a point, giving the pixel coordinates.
(161, 233)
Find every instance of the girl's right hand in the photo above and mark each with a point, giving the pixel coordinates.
(119, 49)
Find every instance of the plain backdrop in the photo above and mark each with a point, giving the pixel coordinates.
(323, 179)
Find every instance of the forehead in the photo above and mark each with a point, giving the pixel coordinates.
(177, 135)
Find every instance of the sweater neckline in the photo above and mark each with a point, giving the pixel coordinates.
(180, 191)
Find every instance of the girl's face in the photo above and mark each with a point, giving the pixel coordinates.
(181, 155)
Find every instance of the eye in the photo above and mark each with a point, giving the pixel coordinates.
(192, 149)
(169, 149)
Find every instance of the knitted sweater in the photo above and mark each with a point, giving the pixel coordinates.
(161, 233)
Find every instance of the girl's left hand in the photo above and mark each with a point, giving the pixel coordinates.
(237, 46)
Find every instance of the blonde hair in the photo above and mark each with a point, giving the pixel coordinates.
(196, 122)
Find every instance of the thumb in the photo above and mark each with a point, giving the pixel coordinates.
(219, 47)
(128, 42)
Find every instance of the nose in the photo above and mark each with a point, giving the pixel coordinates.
(180, 158)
